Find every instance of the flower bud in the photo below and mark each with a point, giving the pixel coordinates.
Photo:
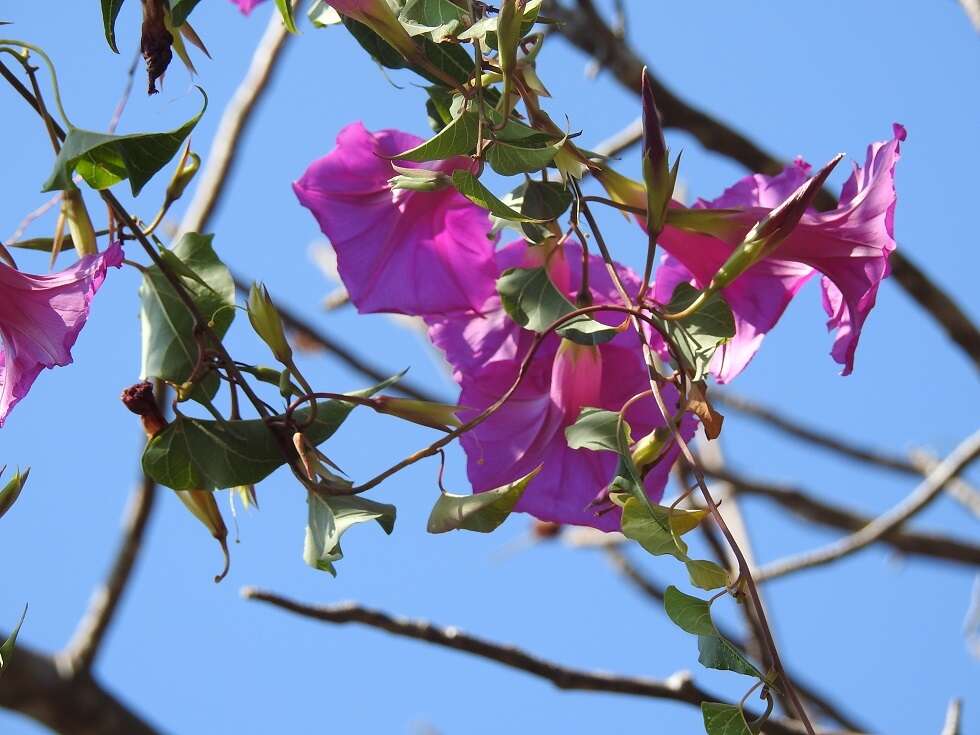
(419, 179)
(770, 232)
(186, 170)
(648, 449)
(657, 174)
(436, 415)
(79, 223)
(204, 507)
(267, 323)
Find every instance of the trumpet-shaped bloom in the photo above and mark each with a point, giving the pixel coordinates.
(485, 349)
(849, 246)
(398, 250)
(40, 319)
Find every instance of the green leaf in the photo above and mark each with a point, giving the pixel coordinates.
(285, 8)
(110, 10)
(693, 615)
(716, 652)
(169, 349)
(597, 430)
(470, 187)
(458, 138)
(11, 491)
(724, 719)
(707, 575)
(690, 614)
(480, 512)
(330, 517)
(180, 9)
(104, 160)
(7, 649)
(198, 454)
(379, 49)
(533, 301)
(510, 159)
(650, 526)
(700, 334)
(437, 18)
(545, 200)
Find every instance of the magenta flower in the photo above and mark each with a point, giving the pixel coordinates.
(247, 6)
(849, 246)
(485, 349)
(40, 318)
(398, 250)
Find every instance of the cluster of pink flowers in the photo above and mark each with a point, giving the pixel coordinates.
(430, 254)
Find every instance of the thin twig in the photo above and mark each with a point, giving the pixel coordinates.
(808, 507)
(585, 29)
(954, 715)
(623, 565)
(237, 115)
(918, 463)
(919, 499)
(78, 655)
(972, 8)
(679, 687)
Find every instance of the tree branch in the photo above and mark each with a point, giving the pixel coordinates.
(84, 645)
(587, 30)
(885, 524)
(679, 687)
(954, 715)
(806, 506)
(35, 686)
(920, 463)
(235, 119)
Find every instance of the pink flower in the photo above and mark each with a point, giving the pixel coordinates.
(398, 250)
(849, 246)
(247, 6)
(40, 318)
(485, 349)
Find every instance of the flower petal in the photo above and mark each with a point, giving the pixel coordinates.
(408, 252)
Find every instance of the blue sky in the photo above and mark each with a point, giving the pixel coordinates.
(881, 633)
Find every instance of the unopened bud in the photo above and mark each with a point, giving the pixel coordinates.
(204, 507)
(648, 449)
(79, 223)
(267, 323)
(436, 415)
(657, 174)
(770, 232)
(419, 179)
(186, 170)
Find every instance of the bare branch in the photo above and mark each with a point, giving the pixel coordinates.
(891, 521)
(679, 687)
(954, 715)
(236, 117)
(621, 141)
(35, 686)
(84, 645)
(972, 8)
(806, 506)
(586, 29)
(919, 463)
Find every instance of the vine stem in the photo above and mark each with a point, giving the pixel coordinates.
(745, 574)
